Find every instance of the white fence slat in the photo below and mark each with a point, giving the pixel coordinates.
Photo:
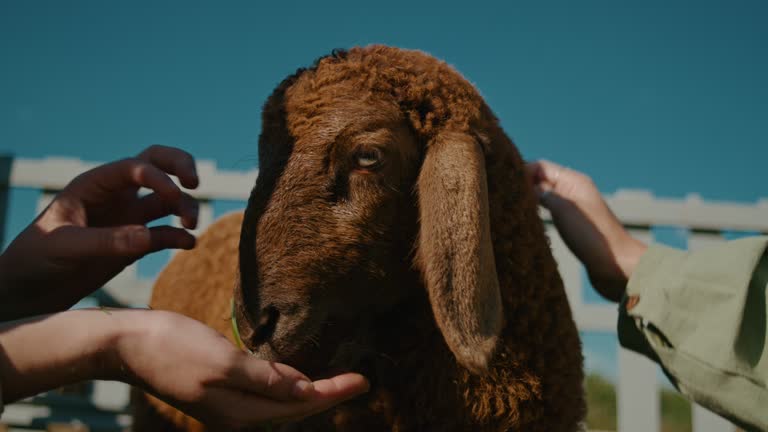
(128, 289)
(223, 184)
(52, 173)
(111, 395)
(214, 183)
(205, 216)
(600, 318)
(637, 394)
(24, 413)
(641, 208)
(633, 207)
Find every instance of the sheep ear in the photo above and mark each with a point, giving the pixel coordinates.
(455, 253)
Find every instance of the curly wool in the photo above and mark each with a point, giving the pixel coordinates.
(431, 94)
(534, 382)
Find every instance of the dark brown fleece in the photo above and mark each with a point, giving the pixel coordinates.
(428, 270)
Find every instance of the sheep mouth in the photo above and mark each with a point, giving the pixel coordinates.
(323, 350)
(329, 354)
(366, 364)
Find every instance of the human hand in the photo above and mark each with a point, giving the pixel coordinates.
(94, 228)
(588, 227)
(198, 371)
(176, 358)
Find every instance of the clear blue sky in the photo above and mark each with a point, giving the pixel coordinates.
(670, 96)
(666, 95)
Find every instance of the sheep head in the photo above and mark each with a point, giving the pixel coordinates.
(372, 184)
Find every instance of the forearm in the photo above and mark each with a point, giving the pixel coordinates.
(48, 351)
(598, 239)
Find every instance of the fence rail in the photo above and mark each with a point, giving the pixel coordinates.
(638, 403)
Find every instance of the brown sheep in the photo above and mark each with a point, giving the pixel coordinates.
(392, 231)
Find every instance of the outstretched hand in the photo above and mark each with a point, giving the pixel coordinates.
(179, 360)
(588, 227)
(94, 228)
(202, 373)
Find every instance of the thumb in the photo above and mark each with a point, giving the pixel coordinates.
(128, 241)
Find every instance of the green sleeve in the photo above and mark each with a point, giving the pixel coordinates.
(702, 316)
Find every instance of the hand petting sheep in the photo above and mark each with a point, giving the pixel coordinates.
(392, 231)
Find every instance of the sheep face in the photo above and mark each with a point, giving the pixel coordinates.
(370, 190)
(334, 238)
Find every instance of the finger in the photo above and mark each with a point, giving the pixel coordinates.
(341, 386)
(328, 393)
(167, 237)
(129, 241)
(101, 183)
(154, 206)
(255, 409)
(272, 380)
(173, 161)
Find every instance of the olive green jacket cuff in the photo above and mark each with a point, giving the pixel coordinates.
(702, 316)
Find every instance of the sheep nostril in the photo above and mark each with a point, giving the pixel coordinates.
(266, 324)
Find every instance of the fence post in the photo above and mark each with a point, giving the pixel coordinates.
(5, 186)
(569, 268)
(637, 392)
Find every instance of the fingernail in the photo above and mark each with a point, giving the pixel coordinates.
(302, 388)
(191, 213)
(190, 243)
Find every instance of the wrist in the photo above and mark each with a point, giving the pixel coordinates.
(105, 362)
(611, 280)
(97, 332)
(629, 255)
(127, 327)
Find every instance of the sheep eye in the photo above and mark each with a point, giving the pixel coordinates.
(368, 158)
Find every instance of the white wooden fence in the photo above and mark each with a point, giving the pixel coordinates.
(637, 387)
